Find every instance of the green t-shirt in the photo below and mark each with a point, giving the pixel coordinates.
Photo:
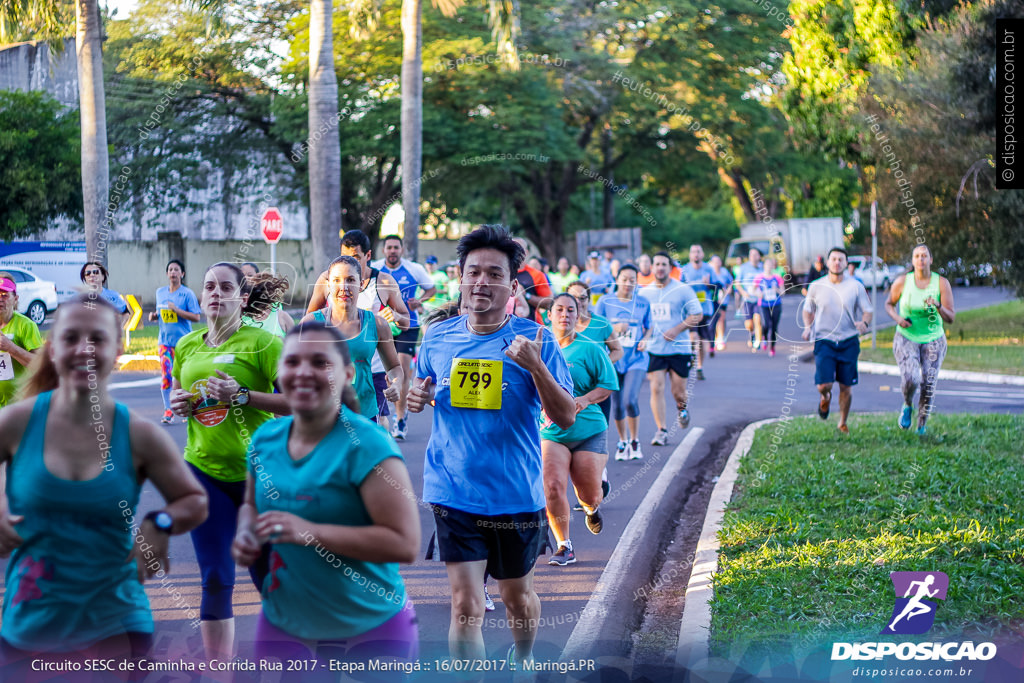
(590, 368)
(559, 282)
(219, 434)
(25, 334)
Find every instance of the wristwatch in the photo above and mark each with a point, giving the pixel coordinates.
(161, 520)
(241, 398)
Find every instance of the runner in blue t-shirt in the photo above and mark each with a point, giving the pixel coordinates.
(598, 280)
(744, 284)
(701, 278)
(724, 278)
(674, 310)
(489, 375)
(630, 316)
(410, 277)
(176, 309)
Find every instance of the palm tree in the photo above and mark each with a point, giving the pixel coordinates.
(325, 154)
(46, 19)
(503, 19)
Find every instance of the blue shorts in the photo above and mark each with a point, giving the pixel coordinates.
(598, 443)
(380, 383)
(836, 361)
(750, 309)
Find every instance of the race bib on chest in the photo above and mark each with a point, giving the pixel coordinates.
(661, 312)
(6, 366)
(168, 316)
(476, 383)
(628, 337)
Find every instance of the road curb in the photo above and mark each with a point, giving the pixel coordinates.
(955, 375)
(138, 363)
(695, 625)
(609, 605)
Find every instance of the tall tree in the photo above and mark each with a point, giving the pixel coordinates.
(46, 19)
(325, 152)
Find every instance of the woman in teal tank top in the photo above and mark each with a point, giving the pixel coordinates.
(329, 491)
(919, 302)
(76, 461)
(364, 331)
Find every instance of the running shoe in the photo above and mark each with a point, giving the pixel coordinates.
(700, 373)
(399, 431)
(711, 351)
(168, 418)
(594, 522)
(921, 431)
(488, 601)
(562, 557)
(606, 485)
(620, 451)
(771, 353)
(905, 417)
(764, 345)
(720, 346)
(684, 418)
(823, 406)
(634, 450)
(660, 438)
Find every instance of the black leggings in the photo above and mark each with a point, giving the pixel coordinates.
(770, 316)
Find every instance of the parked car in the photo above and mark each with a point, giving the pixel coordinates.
(36, 297)
(881, 275)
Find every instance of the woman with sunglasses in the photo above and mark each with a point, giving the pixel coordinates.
(94, 277)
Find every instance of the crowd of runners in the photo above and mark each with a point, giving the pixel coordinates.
(291, 466)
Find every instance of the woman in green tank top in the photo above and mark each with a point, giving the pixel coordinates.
(364, 331)
(920, 302)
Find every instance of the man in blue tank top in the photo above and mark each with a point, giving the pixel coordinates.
(410, 277)
(489, 375)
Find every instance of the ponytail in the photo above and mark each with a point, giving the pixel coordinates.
(266, 291)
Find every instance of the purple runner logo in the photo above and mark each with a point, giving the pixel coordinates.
(913, 614)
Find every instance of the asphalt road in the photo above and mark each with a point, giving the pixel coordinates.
(741, 387)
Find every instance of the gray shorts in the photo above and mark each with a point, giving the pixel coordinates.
(598, 443)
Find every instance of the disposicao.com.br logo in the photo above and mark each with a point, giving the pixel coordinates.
(913, 613)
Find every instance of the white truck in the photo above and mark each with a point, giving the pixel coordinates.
(793, 242)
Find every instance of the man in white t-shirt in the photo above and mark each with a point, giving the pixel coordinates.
(836, 312)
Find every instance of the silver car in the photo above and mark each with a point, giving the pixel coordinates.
(880, 275)
(36, 297)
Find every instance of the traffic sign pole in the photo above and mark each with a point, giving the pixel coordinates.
(272, 227)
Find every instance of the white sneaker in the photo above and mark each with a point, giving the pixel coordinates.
(634, 450)
(620, 451)
(660, 438)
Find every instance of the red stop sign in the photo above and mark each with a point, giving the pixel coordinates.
(272, 225)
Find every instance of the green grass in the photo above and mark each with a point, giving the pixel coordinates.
(143, 340)
(806, 555)
(989, 339)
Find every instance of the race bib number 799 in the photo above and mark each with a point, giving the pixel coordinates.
(476, 383)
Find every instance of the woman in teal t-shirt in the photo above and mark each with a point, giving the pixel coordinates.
(579, 452)
(69, 518)
(364, 331)
(223, 385)
(329, 490)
